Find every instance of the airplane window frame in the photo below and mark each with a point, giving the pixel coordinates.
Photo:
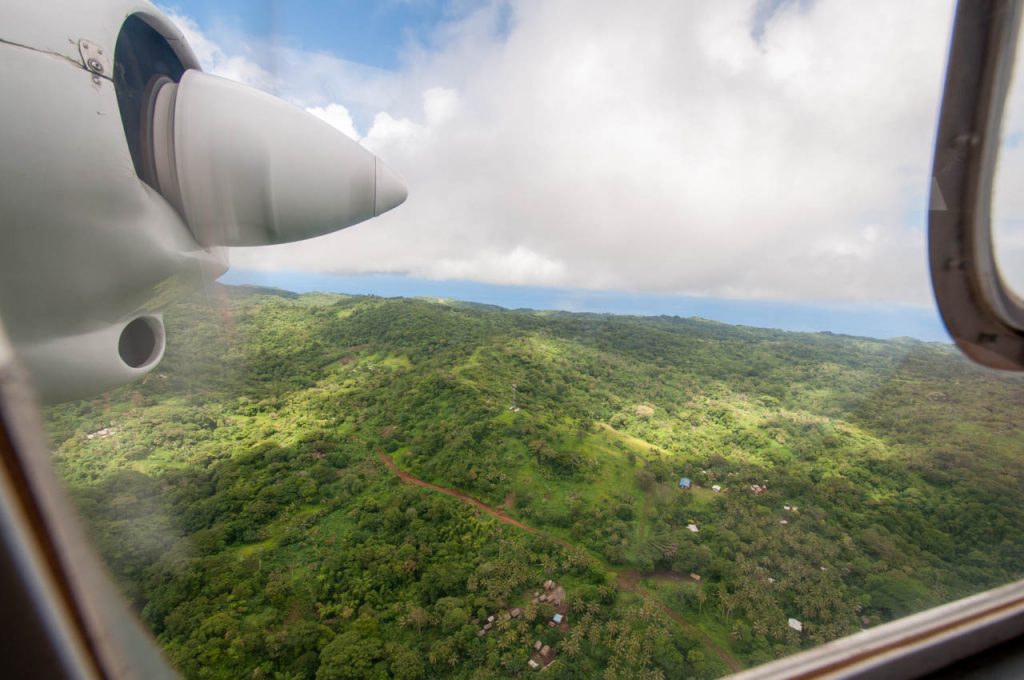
(984, 316)
(65, 617)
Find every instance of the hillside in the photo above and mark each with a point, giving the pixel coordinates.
(326, 486)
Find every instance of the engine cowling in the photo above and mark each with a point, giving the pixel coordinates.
(76, 366)
(125, 172)
(271, 174)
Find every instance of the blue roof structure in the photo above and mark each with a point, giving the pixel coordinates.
(685, 483)
(557, 618)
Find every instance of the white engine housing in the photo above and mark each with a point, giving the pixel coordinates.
(117, 200)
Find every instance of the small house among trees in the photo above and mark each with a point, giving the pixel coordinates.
(102, 432)
(685, 483)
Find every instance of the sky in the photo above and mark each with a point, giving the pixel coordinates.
(877, 321)
(744, 152)
(1007, 212)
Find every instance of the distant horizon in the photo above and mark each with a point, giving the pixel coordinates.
(883, 321)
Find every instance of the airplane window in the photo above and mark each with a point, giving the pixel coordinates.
(644, 380)
(1007, 210)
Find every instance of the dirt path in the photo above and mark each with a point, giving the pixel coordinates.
(500, 515)
(628, 580)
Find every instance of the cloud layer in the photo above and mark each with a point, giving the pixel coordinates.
(590, 144)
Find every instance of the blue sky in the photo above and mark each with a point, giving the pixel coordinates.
(372, 33)
(375, 33)
(760, 162)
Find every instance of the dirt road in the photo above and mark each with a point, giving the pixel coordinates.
(629, 580)
(500, 515)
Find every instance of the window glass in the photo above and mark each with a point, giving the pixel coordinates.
(1007, 206)
(644, 380)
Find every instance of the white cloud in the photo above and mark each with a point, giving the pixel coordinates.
(338, 117)
(440, 105)
(391, 134)
(214, 60)
(519, 266)
(591, 144)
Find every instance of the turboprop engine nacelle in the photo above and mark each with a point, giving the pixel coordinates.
(125, 171)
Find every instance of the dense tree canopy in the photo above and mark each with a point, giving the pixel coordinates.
(242, 496)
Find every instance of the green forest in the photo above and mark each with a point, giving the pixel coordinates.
(327, 486)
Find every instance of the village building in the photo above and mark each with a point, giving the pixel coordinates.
(537, 645)
(516, 613)
(693, 528)
(557, 618)
(695, 577)
(533, 664)
(545, 651)
(685, 483)
(716, 488)
(796, 625)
